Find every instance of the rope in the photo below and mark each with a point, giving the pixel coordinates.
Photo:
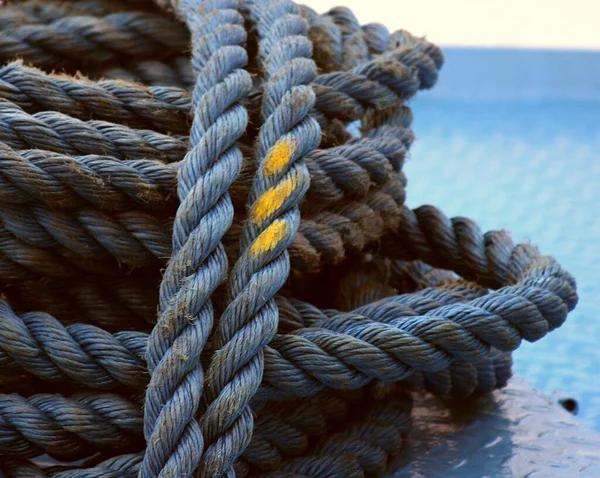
(65, 427)
(117, 185)
(92, 40)
(207, 267)
(23, 340)
(37, 11)
(60, 133)
(113, 303)
(112, 185)
(159, 108)
(177, 73)
(345, 95)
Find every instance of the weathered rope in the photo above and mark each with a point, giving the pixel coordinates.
(57, 132)
(176, 72)
(91, 40)
(69, 182)
(68, 427)
(346, 96)
(280, 182)
(365, 446)
(68, 354)
(212, 164)
(46, 11)
(135, 235)
(127, 301)
(206, 264)
(160, 108)
(361, 449)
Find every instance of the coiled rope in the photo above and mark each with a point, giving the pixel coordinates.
(252, 193)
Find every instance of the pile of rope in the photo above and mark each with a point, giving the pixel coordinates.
(206, 264)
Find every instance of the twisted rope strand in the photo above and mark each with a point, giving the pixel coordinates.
(80, 352)
(280, 183)
(57, 243)
(490, 259)
(53, 131)
(289, 428)
(494, 242)
(340, 42)
(42, 346)
(62, 426)
(132, 238)
(67, 428)
(298, 349)
(176, 72)
(463, 379)
(88, 39)
(336, 327)
(113, 303)
(138, 106)
(62, 181)
(367, 444)
(345, 95)
(198, 264)
(37, 11)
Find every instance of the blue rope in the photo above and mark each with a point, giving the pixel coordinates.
(198, 263)
(270, 196)
(280, 183)
(24, 346)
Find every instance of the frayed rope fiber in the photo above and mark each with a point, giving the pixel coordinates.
(206, 264)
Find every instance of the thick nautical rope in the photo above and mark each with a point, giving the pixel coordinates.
(280, 183)
(362, 448)
(34, 237)
(161, 108)
(365, 445)
(198, 264)
(176, 72)
(73, 40)
(345, 95)
(350, 171)
(542, 293)
(74, 353)
(67, 427)
(325, 322)
(57, 132)
(46, 11)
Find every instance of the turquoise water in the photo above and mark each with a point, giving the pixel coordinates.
(533, 168)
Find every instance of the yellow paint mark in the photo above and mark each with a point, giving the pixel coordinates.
(273, 198)
(269, 238)
(279, 156)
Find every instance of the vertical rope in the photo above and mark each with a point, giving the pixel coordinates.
(198, 262)
(250, 320)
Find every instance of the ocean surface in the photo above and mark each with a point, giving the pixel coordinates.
(524, 155)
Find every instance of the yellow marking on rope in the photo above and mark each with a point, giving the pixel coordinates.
(279, 156)
(269, 238)
(273, 198)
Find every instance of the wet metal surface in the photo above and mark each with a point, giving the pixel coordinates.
(515, 433)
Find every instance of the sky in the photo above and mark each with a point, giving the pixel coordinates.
(556, 24)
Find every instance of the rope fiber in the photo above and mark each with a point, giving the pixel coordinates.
(207, 267)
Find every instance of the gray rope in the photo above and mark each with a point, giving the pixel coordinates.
(131, 195)
(60, 133)
(92, 40)
(161, 108)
